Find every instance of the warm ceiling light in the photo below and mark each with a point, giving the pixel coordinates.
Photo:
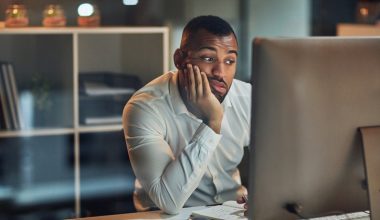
(85, 9)
(130, 2)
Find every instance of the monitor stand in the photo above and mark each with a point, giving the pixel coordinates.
(371, 149)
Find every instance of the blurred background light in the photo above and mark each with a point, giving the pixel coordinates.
(85, 9)
(130, 2)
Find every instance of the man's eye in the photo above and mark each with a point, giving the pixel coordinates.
(230, 62)
(208, 59)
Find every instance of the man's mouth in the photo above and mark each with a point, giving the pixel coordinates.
(218, 86)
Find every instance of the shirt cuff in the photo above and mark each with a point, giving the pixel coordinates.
(206, 137)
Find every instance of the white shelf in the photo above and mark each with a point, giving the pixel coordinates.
(80, 30)
(99, 128)
(37, 132)
(62, 54)
(76, 61)
(60, 131)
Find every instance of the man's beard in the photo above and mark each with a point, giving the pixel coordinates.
(217, 94)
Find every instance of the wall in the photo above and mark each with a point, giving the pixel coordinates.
(269, 18)
(249, 18)
(187, 9)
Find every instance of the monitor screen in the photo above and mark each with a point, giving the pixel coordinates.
(310, 96)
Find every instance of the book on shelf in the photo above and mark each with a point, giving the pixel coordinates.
(9, 97)
(2, 122)
(4, 99)
(228, 210)
(15, 94)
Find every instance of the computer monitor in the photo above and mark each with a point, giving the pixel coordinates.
(310, 96)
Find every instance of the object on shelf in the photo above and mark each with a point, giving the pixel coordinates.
(95, 89)
(2, 24)
(107, 83)
(103, 96)
(88, 15)
(16, 15)
(9, 99)
(367, 12)
(54, 16)
(41, 90)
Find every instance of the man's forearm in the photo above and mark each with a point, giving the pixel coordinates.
(171, 183)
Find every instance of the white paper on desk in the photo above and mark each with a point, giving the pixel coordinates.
(228, 210)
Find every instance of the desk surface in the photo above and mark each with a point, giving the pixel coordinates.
(185, 213)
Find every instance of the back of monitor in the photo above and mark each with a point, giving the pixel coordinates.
(310, 97)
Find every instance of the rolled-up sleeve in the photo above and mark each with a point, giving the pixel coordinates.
(168, 180)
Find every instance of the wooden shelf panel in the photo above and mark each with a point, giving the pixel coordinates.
(80, 30)
(358, 30)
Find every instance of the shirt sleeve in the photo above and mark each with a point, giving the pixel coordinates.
(168, 180)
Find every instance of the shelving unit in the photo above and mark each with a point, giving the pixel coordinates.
(57, 57)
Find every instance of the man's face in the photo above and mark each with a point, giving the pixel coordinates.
(216, 56)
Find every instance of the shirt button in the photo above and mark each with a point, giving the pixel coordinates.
(217, 199)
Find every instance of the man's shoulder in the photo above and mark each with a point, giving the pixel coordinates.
(240, 96)
(240, 88)
(156, 89)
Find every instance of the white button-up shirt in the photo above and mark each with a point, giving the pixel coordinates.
(179, 161)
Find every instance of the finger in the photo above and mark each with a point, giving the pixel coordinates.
(245, 197)
(192, 93)
(246, 205)
(187, 83)
(198, 81)
(206, 84)
(186, 79)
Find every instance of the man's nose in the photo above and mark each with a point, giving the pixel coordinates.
(218, 70)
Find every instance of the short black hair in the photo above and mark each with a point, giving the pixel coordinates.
(213, 24)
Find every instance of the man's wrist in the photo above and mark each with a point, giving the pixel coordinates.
(215, 125)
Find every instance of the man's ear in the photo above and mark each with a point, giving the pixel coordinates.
(179, 58)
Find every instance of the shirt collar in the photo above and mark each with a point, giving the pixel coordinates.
(227, 100)
(177, 102)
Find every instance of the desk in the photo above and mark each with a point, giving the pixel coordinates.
(186, 212)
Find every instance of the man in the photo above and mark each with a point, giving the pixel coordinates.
(185, 131)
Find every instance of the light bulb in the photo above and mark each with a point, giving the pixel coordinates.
(85, 9)
(130, 2)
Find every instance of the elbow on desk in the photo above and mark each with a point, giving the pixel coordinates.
(168, 206)
(170, 209)
(166, 201)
